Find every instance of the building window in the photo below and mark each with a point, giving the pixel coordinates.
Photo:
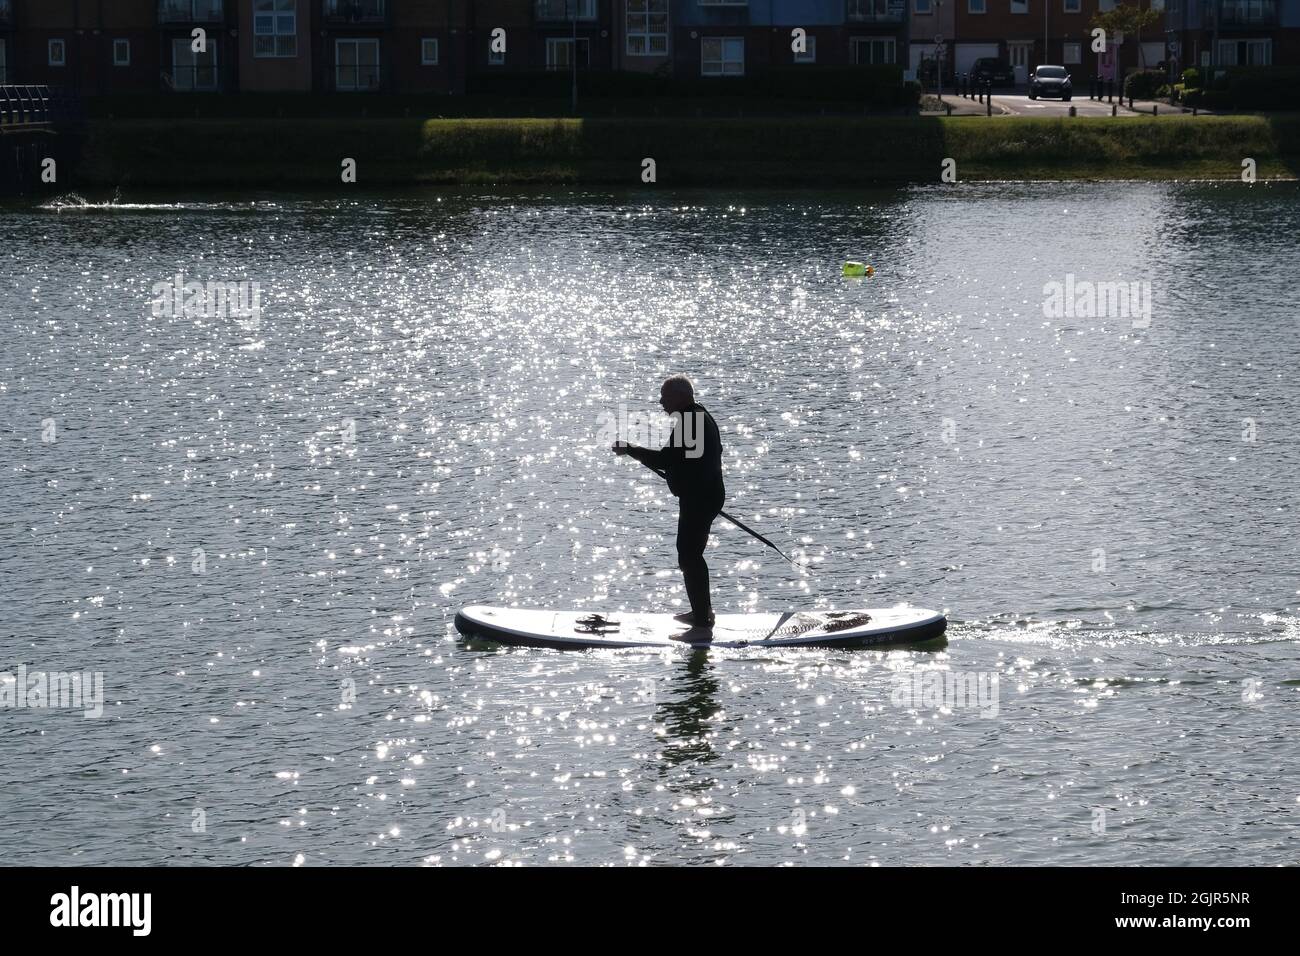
(356, 11)
(58, 53)
(878, 10)
(190, 11)
(1259, 52)
(121, 52)
(1019, 6)
(559, 53)
(275, 28)
(809, 55)
(647, 27)
(1071, 6)
(975, 6)
(1070, 53)
(922, 7)
(869, 51)
(4, 68)
(1245, 53)
(429, 51)
(356, 65)
(722, 56)
(566, 9)
(193, 71)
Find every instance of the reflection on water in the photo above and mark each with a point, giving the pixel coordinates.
(686, 717)
(259, 532)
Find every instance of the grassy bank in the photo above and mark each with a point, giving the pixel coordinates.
(687, 152)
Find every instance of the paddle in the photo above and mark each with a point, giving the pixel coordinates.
(738, 523)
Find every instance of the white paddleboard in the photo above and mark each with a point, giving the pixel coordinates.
(585, 629)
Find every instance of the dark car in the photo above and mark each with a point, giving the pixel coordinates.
(991, 69)
(1050, 81)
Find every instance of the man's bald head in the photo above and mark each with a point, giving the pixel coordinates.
(677, 394)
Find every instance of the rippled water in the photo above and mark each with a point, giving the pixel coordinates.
(1107, 514)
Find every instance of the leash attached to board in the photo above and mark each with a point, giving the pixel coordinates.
(738, 523)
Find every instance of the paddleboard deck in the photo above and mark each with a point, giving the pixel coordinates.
(587, 629)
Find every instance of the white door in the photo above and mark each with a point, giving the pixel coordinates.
(1019, 54)
(968, 53)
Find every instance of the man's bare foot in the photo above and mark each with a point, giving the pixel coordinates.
(695, 635)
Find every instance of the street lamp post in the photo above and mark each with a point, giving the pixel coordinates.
(938, 52)
(1216, 6)
(573, 56)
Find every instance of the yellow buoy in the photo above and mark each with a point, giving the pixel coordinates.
(858, 269)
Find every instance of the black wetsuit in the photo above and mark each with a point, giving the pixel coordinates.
(693, 461)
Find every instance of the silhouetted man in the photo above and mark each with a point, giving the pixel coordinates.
(692, 460)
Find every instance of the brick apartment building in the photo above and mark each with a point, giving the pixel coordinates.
(359, 46)
(440, 46)
(121, 46)
(1248, 32)
(6, 37)
(728, 38)
(69, 43)
(278, 58)
(1029, 32)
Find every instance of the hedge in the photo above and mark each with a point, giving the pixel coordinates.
(880, 86)
(821, 151)
(1247, 88)
(1143, 84)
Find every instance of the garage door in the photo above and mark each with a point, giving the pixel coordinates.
(968, 53)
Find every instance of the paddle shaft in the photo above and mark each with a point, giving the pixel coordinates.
(738, 523)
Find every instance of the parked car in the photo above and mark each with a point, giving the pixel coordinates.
(991, 69)
(1050, 81)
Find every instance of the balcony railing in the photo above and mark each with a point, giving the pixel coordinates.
(876, 11)
(355, 11)
(565, 9)
(1249, 13)
(24, 105)
(191, 11)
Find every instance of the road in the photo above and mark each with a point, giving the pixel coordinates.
(1022, 105)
